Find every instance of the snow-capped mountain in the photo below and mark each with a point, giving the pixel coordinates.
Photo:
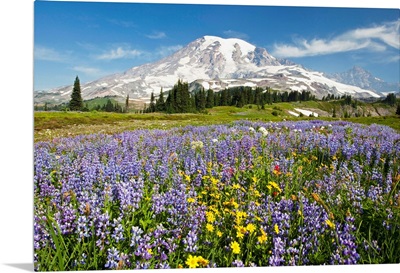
(358, 76)
(212, 62)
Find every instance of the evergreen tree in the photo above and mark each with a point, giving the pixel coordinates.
(109, 106)
(398, 109)
(160, 103)
(76, 102)
(210, 99)
(200, 100)
(127, 104)
(152, 107)
(390, 99)
(169, 103)
(224, 97)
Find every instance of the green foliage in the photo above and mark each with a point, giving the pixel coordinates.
(127, 104)
(390, 99)
(160, 103)
(76, 102)
(210, 99)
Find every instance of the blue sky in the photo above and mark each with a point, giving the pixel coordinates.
(94, 39)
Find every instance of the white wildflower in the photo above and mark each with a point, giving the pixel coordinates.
(197, 144)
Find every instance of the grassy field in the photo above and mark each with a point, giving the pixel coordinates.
(248, 193)
(50, 125)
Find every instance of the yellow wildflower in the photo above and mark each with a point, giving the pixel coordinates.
(276, 229)
(241, 214)
(263, 237)
(235, 247)
(202, 261)
(275, 186)
(190, 200)
(219, 233)
(330, 223)
(251, 227)
(214, 181)
(300, 213)
(192, 261)
(210, 227)
(210, 216)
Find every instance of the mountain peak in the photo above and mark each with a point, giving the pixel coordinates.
(360, 77)
(226, 44)
(215, 63)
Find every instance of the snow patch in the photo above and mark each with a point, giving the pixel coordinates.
(306, 112)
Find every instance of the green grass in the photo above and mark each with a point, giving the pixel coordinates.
(49, 125)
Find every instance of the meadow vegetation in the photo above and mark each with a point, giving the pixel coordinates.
(48, 125)
(248, 193)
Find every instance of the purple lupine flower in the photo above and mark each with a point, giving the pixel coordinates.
(82, 228)
(118, 230)
(346, 250)
(277, 252)
(112, 258)
(190, 242)
(102, 230)
(237, 263)
(136, 235)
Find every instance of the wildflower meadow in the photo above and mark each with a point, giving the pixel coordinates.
(243, 194)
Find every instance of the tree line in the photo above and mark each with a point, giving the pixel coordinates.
(181, 100)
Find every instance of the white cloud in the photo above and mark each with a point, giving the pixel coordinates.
(126, 24)
(235, 34)
(48, 54)
(157, 35)
(120, 53)
(88, 70)
(375, 38)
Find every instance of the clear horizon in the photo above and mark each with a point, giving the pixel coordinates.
(96, 39)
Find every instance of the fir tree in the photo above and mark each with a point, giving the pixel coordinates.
(210, 99)
(160, 103)
(224, 97)
(200, 100)
(127, 104)
(109, 106)
(76, 102)
(152, 107)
